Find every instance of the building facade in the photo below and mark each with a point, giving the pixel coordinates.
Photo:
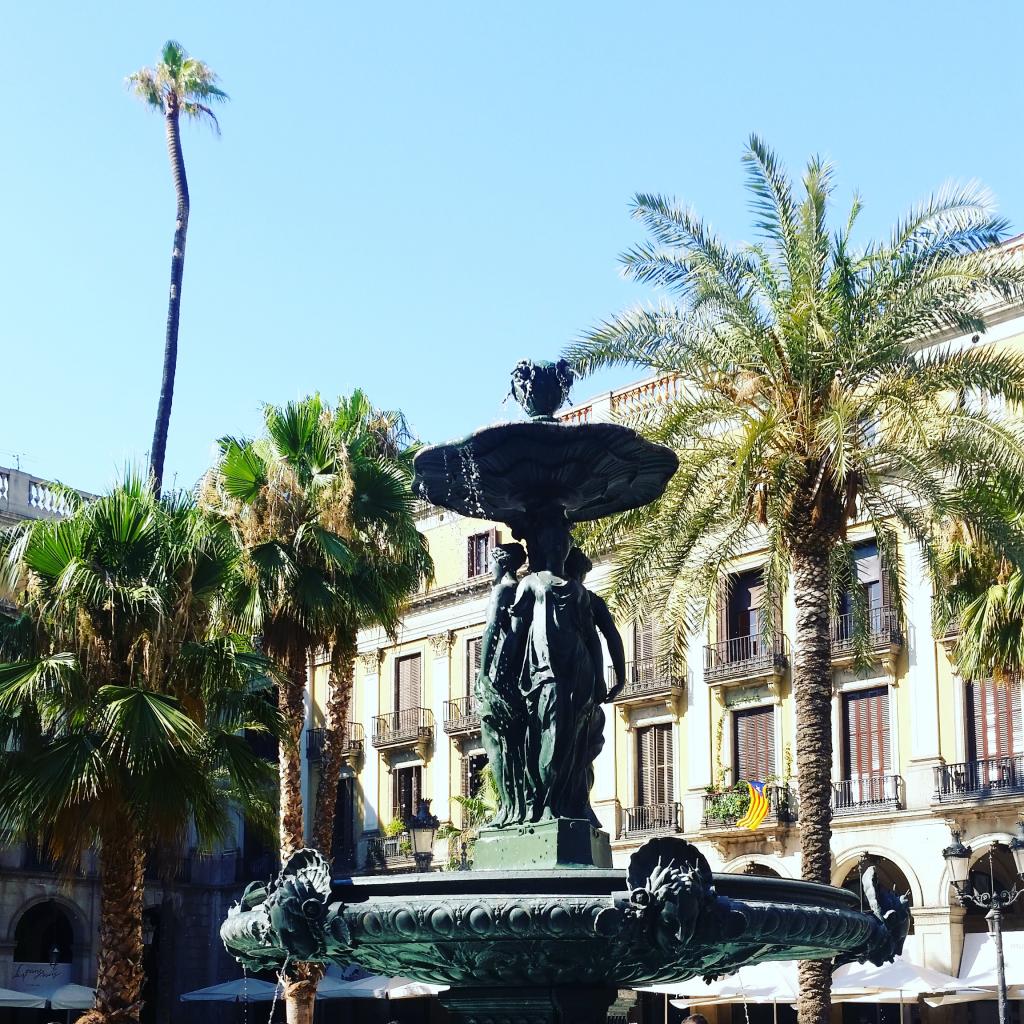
(917, 749)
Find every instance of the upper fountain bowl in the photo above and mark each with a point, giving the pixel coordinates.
(507, 472)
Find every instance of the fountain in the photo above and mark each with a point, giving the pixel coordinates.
(543, 929)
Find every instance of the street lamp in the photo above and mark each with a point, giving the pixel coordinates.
(958, 857)
(422, 830)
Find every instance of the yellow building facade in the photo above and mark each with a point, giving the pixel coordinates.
(917, 750)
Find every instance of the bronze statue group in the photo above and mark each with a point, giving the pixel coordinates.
(541, 684)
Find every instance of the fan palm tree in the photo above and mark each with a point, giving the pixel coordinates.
(806, 402)
(178, 84)
(123, 704)
(323, 509)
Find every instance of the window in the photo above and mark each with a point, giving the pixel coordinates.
(753, 737)
(655, 768)
(866, 748)
(406, 787)
(472, 768)
(993, 720)
(408, 691)
(474, 647)
(743, 618)
(478, 553)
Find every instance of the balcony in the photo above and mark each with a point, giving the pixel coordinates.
(723, 808)
(746, 658)
(461, 716)
(882, 638)
(351, 748)
(648, 681)
(650, 819)
(867, 793)
(979, 780)
(411, 727)
(390, 853)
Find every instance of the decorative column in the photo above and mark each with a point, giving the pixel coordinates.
(940, 932)
(528, 1006)
(368, 706)
(697, 726)
(440, 787)
(922, 681)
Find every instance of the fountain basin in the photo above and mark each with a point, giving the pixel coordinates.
(668, 918)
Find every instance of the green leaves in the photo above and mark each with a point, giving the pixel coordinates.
(803, 400)
(179, 82)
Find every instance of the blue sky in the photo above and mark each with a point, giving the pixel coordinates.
(411, 197)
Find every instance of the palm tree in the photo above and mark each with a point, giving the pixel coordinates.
(179, 84)
(123, 704)
(322, 508)
(805, 402)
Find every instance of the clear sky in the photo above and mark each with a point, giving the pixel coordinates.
(410, 197)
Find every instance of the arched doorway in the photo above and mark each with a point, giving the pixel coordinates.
(889, 876)
(44, 935)
(993, 868)
(758, 870)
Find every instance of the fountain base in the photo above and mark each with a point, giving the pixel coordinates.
(560, 843)
(532, 1006)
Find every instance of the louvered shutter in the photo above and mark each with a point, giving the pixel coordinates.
(722, 616)
(664, 765)
(994, 711)
(643, 651)
(867, 751)
(645, 766)
(474, 647)
(655, 765)
(407, 683)
(754, 743)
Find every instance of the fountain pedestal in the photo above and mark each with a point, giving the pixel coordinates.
(533, 1006)
(562, 843)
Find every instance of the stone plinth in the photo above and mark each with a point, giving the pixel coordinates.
(562, 843)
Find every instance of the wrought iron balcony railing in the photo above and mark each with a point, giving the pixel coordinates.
(355, 737)
(881, 631)
(724, 808)
(648, 677)
(866, 793)
(980, 779)
(649, 819)
(746, 657)
(461, 715)
(408, 726)
(383, 852)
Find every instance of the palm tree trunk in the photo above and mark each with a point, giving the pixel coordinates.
(335, 726)
(291, 704)
(300, 993)
(119, 973)
(163, 410)
(812, 688)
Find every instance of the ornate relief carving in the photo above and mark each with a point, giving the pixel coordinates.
(442, 643)
(370, 661)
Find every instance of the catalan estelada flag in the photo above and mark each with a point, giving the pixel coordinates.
(758, 809)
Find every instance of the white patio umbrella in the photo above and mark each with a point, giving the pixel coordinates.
(28, 1000)
(901, 981)
(241, 990)
(72, 997)
(375, 986)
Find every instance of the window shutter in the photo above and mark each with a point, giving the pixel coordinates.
(665, 769)
(722, 616)
(407, 683)
(754, 744)
(885, 585)
(655, 765)
(994, 711)
(868, 746)
(474, 648)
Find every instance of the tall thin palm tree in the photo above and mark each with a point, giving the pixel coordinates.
(178, 84)
(807, 402)
(321, 506)
(123, 704)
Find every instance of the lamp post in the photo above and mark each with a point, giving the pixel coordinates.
(958, 857)
(422, 829)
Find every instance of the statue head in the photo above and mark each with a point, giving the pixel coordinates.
(577, 565)
(550, 545)
(507, 559)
